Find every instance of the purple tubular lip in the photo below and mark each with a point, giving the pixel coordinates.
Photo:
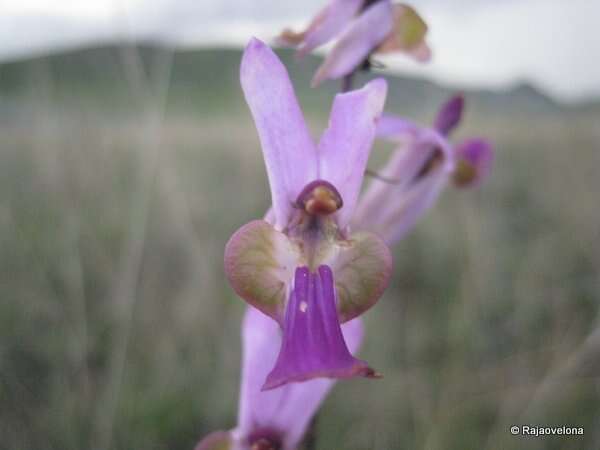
(313, 344)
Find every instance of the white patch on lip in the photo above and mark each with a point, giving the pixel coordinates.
(303, 306)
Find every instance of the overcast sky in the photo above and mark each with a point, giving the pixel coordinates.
(554, 44)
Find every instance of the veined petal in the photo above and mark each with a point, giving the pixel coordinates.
(449, 115)
(328, 23)
(313, 345)
(357, 41)
(259, 264)
(391, 208)
(289, 152)
(362, 268)
(345, 145)
(474, 159)
(289, 408)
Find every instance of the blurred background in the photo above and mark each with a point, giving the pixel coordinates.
(128, 157)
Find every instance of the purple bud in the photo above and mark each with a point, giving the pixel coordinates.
(449, 115)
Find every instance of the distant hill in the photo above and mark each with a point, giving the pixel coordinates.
(206, 81)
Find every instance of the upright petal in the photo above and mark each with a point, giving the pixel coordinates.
(474, 158)
(289, 408)
(345, 146)
(289, 152)
(327, 24)
(414, 177)
(357, 41)
(313, 345)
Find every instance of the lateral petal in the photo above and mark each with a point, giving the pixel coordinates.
(259, 264)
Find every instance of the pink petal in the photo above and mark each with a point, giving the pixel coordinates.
(291, 407)
(328, 24)
(357, 41)
(391, 208)
(345, 145)
(288, 149)
(396, 128)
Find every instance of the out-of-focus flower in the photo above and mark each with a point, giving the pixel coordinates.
(474, 158)
(363, 28)
(275, 419)
(419, 169)
(301, 266)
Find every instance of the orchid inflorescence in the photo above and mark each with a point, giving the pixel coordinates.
(320, 257)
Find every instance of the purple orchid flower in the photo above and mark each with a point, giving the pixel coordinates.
(276, 419)
(301, 266)
(418, 171)
(363, 27)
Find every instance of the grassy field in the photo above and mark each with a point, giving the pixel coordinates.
(124, 172)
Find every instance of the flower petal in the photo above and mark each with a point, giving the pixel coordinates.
(414, 177)
(289, 408)
(449, 115)
(408, 34)
(313, 345)
(345, 146)
(396, 128)
(259, 264)
(289, 152)
(329, 22)
(362, 267)
(474, 158)
(356, 42)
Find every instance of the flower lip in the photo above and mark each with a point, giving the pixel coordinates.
(319, 198)
(313, 344)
